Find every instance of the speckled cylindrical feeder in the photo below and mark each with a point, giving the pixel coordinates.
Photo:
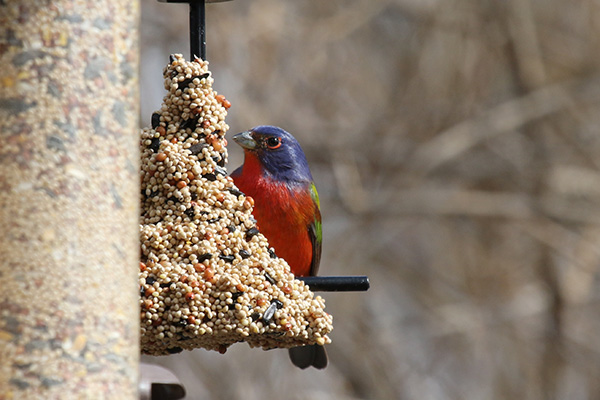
(69, 194)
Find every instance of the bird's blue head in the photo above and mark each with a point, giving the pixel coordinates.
(278, 152)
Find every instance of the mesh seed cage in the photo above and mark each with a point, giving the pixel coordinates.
(208, 277)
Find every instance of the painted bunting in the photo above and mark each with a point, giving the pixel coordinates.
(276, 174)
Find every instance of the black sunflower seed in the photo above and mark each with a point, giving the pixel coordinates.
(236, 295)
(155, 120)
(184, 83)
(277, 303)
(255, 316)
(270, 279)
(272, 253)
(190, 213)
(221, 171)
(250, 233)
(150, 280)
(269, 313)
(227, 258)
(204, 257)
(244, 254)
(154, 144)
(197, 148)
(210, 177)
(235, 191)
(189, 123)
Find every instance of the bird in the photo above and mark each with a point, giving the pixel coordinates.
(276, 175)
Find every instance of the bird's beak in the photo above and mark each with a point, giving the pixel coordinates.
(245, 140)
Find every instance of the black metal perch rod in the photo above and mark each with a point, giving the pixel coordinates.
(336, 283)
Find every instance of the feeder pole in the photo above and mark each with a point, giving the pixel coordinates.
(197, 29)
(197, 25)
(69, 199)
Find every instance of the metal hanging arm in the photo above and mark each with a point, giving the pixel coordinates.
(197, 25)
(197, 29)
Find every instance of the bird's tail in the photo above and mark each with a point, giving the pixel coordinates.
(307, 356)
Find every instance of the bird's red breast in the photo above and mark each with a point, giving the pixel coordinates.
(283, 213)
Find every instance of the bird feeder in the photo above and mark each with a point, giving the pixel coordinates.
(208, 277)
(69, 179)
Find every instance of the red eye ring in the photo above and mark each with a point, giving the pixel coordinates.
(273, 143)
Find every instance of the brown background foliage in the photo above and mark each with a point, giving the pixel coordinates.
(456, 150)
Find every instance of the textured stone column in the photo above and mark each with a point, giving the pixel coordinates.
(69, 194)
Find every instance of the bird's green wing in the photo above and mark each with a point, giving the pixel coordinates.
(315, 232)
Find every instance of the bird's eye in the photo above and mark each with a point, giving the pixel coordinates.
(273, 142)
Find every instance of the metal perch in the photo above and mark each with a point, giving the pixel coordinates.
(337, 283)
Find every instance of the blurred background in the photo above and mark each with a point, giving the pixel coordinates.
(456, 148)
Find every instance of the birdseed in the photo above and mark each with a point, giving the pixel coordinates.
(208, 278)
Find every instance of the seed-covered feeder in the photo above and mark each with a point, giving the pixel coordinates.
(207, 275)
